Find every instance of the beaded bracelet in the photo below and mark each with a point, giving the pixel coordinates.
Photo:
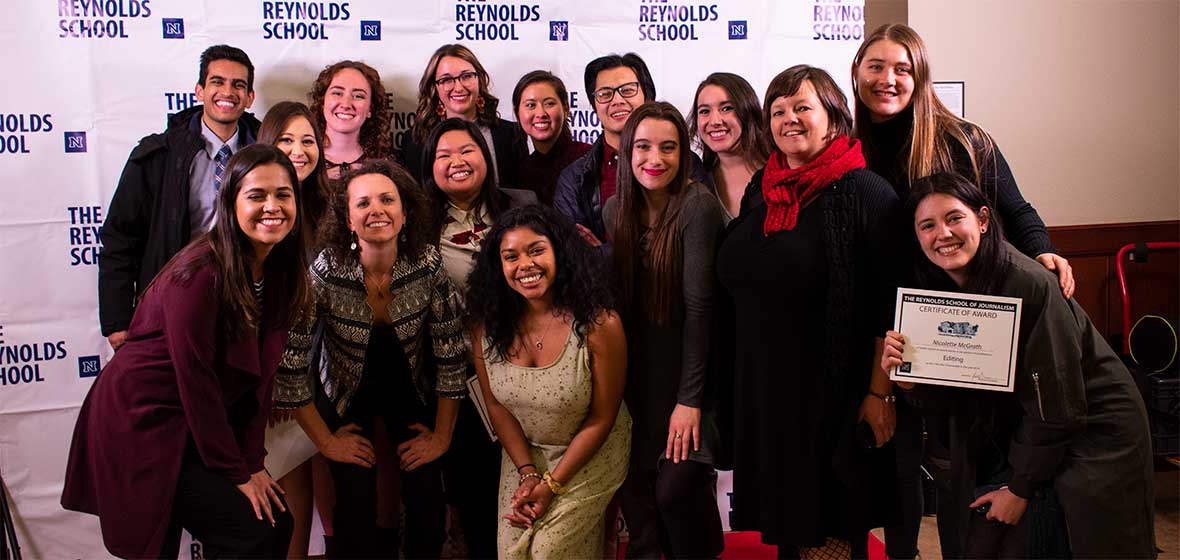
(527, 476)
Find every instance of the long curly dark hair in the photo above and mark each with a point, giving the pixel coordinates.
(377, 132)
(580, 287)
(415, 235)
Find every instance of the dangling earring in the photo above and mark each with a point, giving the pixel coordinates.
(479, 103)
(352, 245)
(402, 236)
(441, 110)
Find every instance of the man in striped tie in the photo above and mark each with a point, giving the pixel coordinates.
(166, 194)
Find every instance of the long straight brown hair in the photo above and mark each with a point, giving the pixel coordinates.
(228, 249)
(314, 191)
(935, 126)
(656, 295)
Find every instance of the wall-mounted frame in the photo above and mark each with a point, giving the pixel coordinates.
(951, 95)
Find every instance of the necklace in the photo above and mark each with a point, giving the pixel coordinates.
(375, 285)
(540, 342)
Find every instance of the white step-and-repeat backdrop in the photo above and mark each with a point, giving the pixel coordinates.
(86, 79)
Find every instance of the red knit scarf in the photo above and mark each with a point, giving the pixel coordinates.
(787, 190)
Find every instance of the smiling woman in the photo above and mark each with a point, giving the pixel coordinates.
(293, 128)
(726, 120)
(454, 85)
(664, 226)
(1074, 430)
(350, 106)
(549, 351)
(379, 286)
(542, 108)
(804, 341)
(179, 412)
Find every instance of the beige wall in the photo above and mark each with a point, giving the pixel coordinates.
(1083, 97)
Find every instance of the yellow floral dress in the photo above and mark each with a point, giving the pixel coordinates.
(551, 403)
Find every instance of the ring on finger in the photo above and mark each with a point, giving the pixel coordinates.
(678, 436)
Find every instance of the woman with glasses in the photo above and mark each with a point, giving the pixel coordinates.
(350, 106)
(455, 85)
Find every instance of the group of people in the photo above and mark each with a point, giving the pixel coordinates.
(634, 317)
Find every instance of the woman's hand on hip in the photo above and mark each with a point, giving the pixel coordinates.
(422, 449)
(1006, 507)
(684, 433)
(262, 490)
(348, 446)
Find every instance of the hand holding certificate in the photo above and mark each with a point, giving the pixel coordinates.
(953, 339)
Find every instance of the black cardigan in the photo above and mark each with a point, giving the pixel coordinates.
(887, 148)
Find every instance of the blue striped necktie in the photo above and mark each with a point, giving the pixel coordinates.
(219, 166)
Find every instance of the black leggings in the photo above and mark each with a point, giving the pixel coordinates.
(901, 534)
(355, 515)
(673, 511)
(220, 516)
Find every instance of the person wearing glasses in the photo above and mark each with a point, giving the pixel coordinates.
(455, 85)
(619, 84)
(350, 106)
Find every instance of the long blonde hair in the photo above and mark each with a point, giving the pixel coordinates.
(934, 125)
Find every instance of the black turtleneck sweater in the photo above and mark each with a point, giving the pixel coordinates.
(887, 150)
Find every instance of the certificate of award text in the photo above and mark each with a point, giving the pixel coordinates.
(958, 340)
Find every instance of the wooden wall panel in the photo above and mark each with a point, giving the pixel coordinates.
(1154, 286)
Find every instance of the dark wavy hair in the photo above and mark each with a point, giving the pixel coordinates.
(788, 82)
(427, 114)
(377, 132)
(315, 189)
(228, 249)
(489, 196)
(225, 52)
(652, 288)
(415, 234)
(754, 143)
(579, 287)
(987, 269)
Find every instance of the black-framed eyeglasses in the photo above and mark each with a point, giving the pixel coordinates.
(466, 78)
(627, 90)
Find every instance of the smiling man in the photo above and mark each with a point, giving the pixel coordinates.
(617, 84)
(167, 191)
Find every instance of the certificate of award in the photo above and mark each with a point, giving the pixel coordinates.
(958, 340)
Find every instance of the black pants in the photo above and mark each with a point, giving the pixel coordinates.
(993, 539)
(355, 515)
(673, 511)
(901, 535)
(220, 516)
(472, 475)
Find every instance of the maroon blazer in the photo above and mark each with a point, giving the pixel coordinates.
(176, 380)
